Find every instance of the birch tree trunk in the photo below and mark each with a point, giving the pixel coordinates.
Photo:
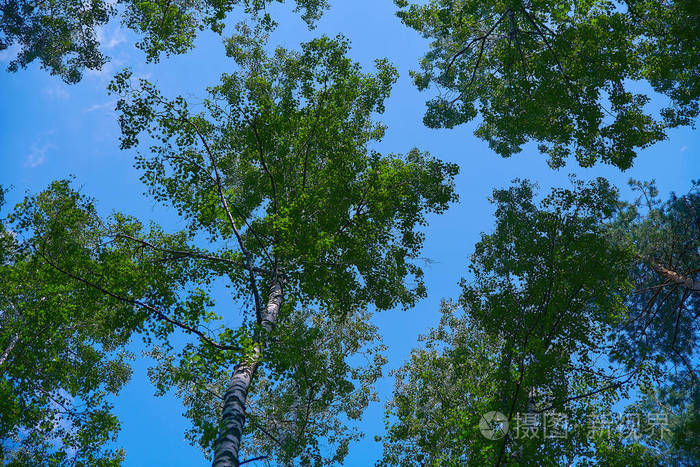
(15, 337)
(233, 415)
(8, 350)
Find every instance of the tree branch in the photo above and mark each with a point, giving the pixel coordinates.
(159, 314)
(473, 41)
(193, 254)
(253, 459)
(224, 204)
(261, 153)
(672, 276)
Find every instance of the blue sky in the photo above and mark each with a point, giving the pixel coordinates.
(51, 130)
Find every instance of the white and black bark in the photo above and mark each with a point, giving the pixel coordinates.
(14, 339)
(8, 350)
(234, 412)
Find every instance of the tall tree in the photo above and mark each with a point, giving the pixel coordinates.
(449, 389)
(560, 72)
(550, 328)
(664, 238)
(318, 372)
(278, 170)
(64, 34)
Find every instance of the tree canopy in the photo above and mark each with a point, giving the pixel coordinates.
(63, 35)
(571, 76)
(63, 344)
(278, 169)
(574, 336)
(555, 293)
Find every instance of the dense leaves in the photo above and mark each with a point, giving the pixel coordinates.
(76, 288)
(277, 167)
(62, 343)
(566, 74)
(550, 327)
(576, 304)
(440, 394)
(287, 138)
(64, 34)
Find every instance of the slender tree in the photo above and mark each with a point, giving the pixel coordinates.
(279, 161)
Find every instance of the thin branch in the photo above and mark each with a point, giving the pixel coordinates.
(648, 289)
(190, 161)
(253, 459)
(350, 219)
(678, 318)
(658, 308)
(473, 41)
(307, 144)
(235, 208)
(159, 314)
(590, 393)
(266, 433)
(512, 410)
(192, 254)
(224, 203)
(261, 153)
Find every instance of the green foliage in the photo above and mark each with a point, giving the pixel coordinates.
(277, 166)
(676, 403)
(301, 395)
(288, 137)
(62, 344)
(663, 327)
(72, 285)
(554, 295)
(565, 74)
(573, 301)
(64, 34)
(441, 393)
(171, 28)
(61, 34)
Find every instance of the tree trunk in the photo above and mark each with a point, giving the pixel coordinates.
(672, 276)
(233, 415)
(15, 337)
(8, 350)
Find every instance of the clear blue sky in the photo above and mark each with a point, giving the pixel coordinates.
(50, 130)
